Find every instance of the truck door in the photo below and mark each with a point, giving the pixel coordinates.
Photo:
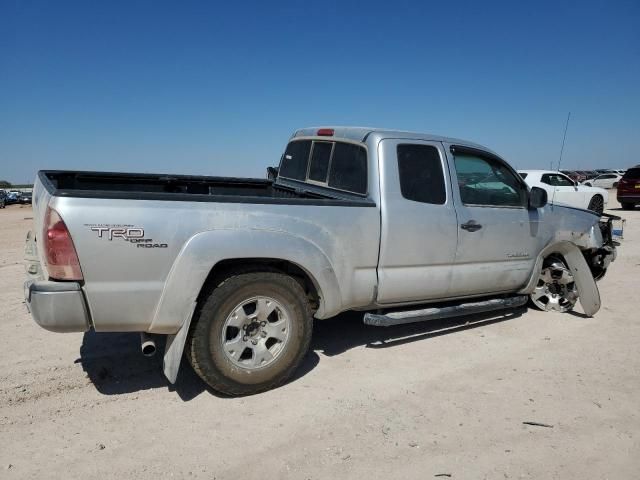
(419, 228)
(497, 233)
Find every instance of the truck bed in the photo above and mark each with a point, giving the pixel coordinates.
(145, 186)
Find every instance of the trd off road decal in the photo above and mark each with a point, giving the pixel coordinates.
(128, 233)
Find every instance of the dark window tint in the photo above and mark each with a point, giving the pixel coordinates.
(320, 156)
(632, 174)
(487, 182)
(349, 168)
(556, 180)
(421, 177)
(294, 160)
(523, 175)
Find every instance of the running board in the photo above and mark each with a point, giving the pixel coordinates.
(436, 313)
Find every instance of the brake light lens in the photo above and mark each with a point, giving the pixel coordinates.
(59, 251)
(325, 132)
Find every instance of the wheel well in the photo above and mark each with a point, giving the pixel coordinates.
(554, 255)
(226, 268)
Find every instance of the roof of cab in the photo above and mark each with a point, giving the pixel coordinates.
(360, 134)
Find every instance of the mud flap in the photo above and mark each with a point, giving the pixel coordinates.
(174, 349)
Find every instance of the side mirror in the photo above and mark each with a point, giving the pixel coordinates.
(272, 173)
(537, 197)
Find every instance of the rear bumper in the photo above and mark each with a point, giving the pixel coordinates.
(628, 197)
(57, 306)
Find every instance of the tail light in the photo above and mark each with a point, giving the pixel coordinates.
(59, 251)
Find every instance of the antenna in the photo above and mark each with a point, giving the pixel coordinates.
(566, 126)
(564, 137)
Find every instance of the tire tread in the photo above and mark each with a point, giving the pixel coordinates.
(198, 331)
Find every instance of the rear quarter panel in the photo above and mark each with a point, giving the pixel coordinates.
(124, 282)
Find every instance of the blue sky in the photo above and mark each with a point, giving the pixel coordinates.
(205, 88)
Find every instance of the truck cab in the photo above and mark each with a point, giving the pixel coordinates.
(234, 270)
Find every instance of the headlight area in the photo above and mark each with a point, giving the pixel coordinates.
(611, 229)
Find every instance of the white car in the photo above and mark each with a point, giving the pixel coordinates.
(564, 191)
(606, 180)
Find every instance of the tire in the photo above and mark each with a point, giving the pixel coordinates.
(596, 204)
(556, 290)
(628, 206)
(219, 355)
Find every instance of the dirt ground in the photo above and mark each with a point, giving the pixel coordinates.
(410, 402)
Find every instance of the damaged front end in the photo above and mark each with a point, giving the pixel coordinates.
(611, 231)
(580, 246)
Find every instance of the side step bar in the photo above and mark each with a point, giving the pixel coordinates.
(435, 313)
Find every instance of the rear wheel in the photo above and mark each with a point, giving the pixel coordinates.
(556, 289)
(628, 206)
(250, 333)
(596, 204)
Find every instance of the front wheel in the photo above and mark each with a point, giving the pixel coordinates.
(596, 204)
(556, 289)
(250, 333)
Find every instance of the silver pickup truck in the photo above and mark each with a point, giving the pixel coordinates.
(234, 270)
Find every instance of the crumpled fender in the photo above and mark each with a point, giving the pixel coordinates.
(587, 289)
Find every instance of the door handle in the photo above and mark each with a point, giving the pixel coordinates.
(471, 226)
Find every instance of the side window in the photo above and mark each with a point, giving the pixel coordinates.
(556, 180)
(319, 165)
(349, 168)
(421, 177)
(564, 181)
(523, 175)
(546, 178)
(294, 161)
(487, 182)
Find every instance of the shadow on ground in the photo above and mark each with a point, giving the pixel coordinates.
(114, 364)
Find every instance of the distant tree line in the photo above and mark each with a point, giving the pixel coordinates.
(5, 184)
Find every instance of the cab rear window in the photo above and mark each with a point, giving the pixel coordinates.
(295, 159)
(338, 165)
